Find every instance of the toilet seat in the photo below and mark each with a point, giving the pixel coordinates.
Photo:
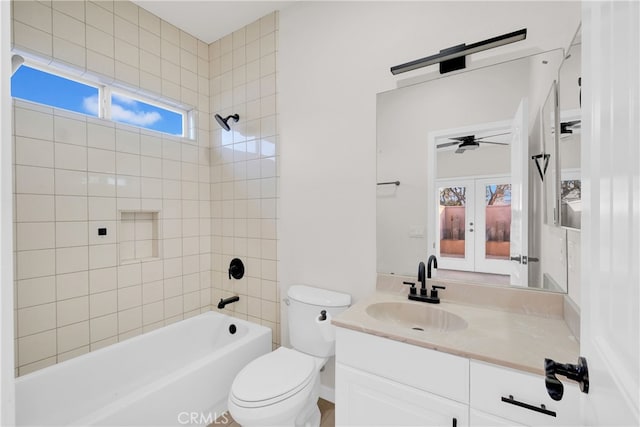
(272, 378)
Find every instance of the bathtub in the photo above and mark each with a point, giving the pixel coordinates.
(177, 375)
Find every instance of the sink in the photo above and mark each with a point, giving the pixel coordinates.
(415, 316)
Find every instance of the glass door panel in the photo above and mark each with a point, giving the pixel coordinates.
(455, 225)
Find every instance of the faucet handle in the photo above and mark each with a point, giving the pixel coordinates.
(434, 290)
(412, 291)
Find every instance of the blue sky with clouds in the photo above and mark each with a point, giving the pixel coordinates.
(44, 88)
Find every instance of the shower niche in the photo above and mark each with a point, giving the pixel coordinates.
(138, 237)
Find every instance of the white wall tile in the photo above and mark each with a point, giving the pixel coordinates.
(102, 256)
(100, 41)
(149, 21)
(32, 38)
(36, 291)
(33, 152)
(35, 263)
(66, 27)
(99, 18)
(129, 319)
(34, 14)
(72, 285)
(70, 183)
(103, 327)
(36, 347)
(31, 208)
(101, 136)
(101, 208)
(70, 131)
(35, 235)
(128, 186)
(72, 310)
(104, 279)
(102, 185)
(73, 336)
(125, 29)
(127, 164)
(34, 180)
(36, 319)
(71, 208)
(71, 234)
(70, 157)
(72, 259)
(103, 303)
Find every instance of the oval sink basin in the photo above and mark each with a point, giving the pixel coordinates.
(418, 317)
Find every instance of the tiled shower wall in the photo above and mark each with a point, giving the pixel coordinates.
(75, 174)
(244, 171)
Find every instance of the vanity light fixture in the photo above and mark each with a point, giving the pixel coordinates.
(454, 58)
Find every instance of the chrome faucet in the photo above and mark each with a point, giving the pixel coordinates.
(432, 260)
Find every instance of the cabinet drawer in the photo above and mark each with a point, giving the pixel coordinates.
(490, 384)
(429, 370)
(363, 399)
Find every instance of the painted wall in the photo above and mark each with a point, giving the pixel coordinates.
(333, 59)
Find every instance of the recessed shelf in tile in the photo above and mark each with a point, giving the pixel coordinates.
(138, 236)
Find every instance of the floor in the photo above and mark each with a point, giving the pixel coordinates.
(327, 414)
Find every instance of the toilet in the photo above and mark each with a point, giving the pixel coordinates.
(282, 388)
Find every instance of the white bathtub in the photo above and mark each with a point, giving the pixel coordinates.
(177, 375)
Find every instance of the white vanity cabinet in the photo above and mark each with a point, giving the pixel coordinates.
(520, 397)
(382, 382)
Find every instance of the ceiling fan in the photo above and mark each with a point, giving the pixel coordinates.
(470, 142)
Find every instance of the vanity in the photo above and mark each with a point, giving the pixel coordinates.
(457, 363)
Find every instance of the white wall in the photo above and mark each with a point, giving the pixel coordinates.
(333, 59)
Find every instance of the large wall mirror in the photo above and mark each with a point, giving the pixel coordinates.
(458, 178)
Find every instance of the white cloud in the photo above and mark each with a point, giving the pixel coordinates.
(140, 118)
(90, 104)
(122, 114)
(125, 100)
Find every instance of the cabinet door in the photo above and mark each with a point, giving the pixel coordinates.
(369, 400)
(482, 419)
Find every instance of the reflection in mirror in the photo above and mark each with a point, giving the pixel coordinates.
(549, 174)
(461, 146)
(570, 127)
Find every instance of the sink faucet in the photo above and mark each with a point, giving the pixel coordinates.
(421, 278)
(434, 260)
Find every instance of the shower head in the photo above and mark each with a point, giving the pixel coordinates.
(16, 62)
(223, 122)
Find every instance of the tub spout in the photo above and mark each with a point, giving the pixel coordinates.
(226, 301)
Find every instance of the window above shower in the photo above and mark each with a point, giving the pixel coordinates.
(55, 89)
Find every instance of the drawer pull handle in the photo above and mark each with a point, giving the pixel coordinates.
(542, 409)
(454, 422)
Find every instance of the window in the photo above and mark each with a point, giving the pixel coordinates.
(52, 89)
(38, 86)
(125, 109)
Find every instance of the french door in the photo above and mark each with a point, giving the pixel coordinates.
(473, 221)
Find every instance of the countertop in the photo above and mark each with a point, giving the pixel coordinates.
(512, 339)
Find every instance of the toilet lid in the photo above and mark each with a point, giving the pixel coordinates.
(272, 378)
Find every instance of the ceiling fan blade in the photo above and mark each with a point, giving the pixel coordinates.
(463, 138)
(447, 144)
(491, 136)
(492, 142)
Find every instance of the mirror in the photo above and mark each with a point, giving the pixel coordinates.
(569, 137)
(455, 173)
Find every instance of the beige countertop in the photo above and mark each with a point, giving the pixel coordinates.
(518, 340)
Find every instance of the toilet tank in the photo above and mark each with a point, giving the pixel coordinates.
(304, 306)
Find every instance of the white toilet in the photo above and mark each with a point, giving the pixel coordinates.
(282, 388)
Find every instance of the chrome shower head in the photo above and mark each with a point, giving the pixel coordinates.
(224, 122)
